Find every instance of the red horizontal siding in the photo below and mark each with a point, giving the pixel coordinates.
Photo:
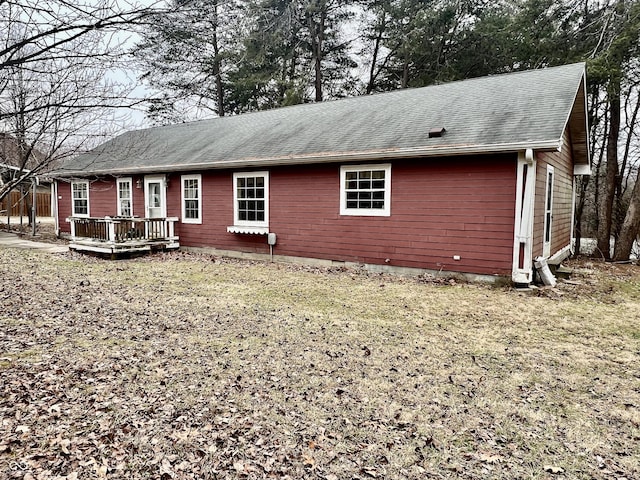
(102, 201)
(439, 208)
(138, 197)
(104, 204)
(64, 206)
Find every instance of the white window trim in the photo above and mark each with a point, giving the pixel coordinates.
(263, 226)
(119, 206)
(366, 212)
(197, 177)
(73, 200)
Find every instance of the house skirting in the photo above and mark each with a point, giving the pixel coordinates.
(369, 267)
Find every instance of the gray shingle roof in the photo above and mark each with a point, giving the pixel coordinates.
(490, 114)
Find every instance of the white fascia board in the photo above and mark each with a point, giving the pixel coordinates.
(580, 169)
(581, 83)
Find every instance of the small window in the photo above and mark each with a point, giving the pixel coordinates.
(80, 199)
(251, 199)
(191, 199)
(125, 198)
(365, 190)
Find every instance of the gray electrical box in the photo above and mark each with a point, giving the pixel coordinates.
(271, 238)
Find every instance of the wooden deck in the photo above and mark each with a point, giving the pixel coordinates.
(113, 235)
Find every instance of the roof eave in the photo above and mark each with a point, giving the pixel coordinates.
(372, 155)
(586, 158)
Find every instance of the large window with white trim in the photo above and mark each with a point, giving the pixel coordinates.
(365, 190)
(251, 199)
(125, 197)
(191, 198)
(80, 199)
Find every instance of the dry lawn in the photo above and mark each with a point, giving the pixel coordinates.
(180, 366)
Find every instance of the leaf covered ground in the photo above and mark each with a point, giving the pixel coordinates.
(180, 366)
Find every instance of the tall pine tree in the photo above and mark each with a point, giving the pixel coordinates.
(186, 56)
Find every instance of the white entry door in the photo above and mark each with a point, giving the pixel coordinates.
(548, 213)
(155, 196)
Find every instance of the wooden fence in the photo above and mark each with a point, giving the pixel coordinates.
(11, 204)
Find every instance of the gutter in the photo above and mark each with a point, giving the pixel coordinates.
(456, 150)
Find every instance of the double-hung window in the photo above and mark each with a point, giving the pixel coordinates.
(250, 202)
(191, 199)
(365, 190)
(125, 198)
(80, 199)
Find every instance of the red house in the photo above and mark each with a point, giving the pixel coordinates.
(475, 177)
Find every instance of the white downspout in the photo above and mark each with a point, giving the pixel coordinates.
(522, 268)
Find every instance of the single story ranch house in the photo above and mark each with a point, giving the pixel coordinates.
(475, 176)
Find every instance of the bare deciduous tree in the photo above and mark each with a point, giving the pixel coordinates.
(57, 64)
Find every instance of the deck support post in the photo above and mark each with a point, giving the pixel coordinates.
(171, 228)
(111, 229)
(73, 229)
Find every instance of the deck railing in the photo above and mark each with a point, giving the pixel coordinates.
(122, 230)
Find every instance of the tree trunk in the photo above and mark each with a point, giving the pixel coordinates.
(623, 179)
(283, 84)
(630, 226)
(605, 210)
(317, 40)
(595, 120)
(405, 72)
(217, 70)
(292, 70)
(376, 49)
(584, 183)
(318, 69)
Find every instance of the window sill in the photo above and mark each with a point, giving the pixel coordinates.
(365, 213)
(249, 230)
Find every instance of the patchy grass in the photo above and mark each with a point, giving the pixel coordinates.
(183, 366)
